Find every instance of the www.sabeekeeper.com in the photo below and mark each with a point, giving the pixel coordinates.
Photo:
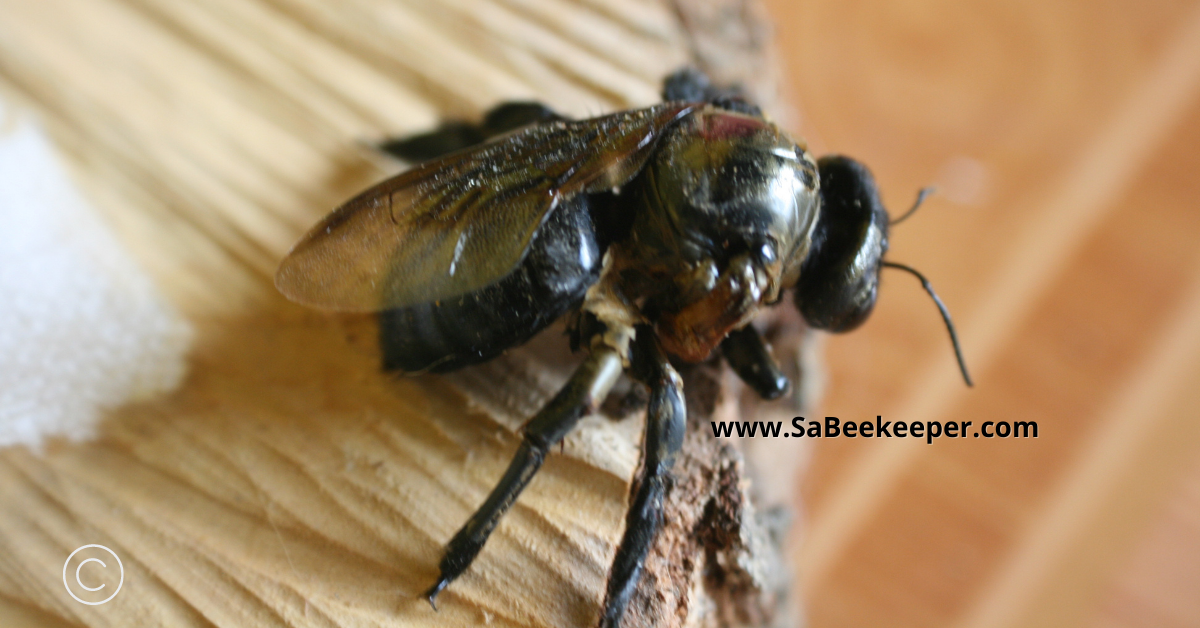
(833, 427)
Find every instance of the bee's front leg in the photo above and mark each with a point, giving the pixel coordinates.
(665, 423)
(582, 393)
(749, 357)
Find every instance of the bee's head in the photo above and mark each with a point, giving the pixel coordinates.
(839, 279)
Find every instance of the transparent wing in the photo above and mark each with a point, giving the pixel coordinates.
(463, 221)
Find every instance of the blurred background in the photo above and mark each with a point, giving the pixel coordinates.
(1061, 137)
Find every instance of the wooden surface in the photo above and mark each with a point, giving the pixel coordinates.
(288, 481)
(1063, 136)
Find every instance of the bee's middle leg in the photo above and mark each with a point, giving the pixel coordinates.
(584, 391)
(665, 423)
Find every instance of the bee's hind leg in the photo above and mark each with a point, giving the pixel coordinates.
(583, 392)
(457, 135)
(509, 116)
(665, 423)
(447, 138)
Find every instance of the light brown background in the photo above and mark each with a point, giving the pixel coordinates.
(1064, 137)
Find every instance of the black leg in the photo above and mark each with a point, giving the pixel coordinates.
(447, 138)
(746, 352)
(665, 422)
(584, 391)
(686, 85)
(513, 115)
(452, 136)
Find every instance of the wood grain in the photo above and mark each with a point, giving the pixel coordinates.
(288, 481)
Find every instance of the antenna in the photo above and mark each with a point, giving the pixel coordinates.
(921, 196)
(962, 364)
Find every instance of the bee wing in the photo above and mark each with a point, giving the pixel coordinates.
(463, 221)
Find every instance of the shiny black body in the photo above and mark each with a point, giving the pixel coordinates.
(564, 258)
(562, 263)
(696, 226)
(664, 243)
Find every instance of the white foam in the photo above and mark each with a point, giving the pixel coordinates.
(82, 327)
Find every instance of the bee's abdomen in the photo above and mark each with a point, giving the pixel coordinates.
(562, 262)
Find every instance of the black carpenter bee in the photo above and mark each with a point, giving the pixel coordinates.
(661, 230)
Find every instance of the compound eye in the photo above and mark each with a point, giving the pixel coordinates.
(839, 279)
(837, 306)
(855, 315)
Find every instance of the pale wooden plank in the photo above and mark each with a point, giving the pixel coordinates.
(288, 481)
